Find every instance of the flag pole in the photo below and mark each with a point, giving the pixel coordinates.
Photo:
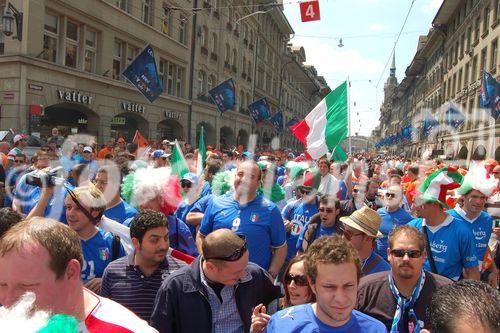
(349, 113)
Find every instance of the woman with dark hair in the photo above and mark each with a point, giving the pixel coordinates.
(297, 291)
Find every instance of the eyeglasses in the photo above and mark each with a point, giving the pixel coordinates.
(18, 161)
(349, 235)
(355, 190)
(326, 210)
(390, 195)
(236, 255)
(305, 191)
(411, 253)
(45, 149)
(300, 280)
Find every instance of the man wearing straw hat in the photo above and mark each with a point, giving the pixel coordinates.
(361, 229)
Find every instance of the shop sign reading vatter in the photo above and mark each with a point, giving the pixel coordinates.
(74, 96)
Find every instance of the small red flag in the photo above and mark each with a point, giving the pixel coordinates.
(35, 110)
(309, 11)
(140, 140)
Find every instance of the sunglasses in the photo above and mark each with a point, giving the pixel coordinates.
(390, 195)
(236, 255)
(186, 183)
(411, 253)
(355, 190)
(299, 280)
(349, 235)
(45, 149)
(327, 210)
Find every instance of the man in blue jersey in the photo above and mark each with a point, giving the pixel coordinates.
(108, 182)
(361, 229)
(84, 208)
(453, 250)
(392, 215)
(213, 164)
(333, 270)
(475, 191)
(249, 214)
(297, 214)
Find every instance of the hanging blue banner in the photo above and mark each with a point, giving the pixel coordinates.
(259, 110)
(490, 94)
(143, 74)
(454, 117)
(277, 121)
(223, 95)
(429, 123)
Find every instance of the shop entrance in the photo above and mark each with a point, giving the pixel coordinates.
(125, 124)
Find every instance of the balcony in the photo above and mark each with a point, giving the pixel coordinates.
(213, 56)
(204, 50)
(227, 65)
(233, 68)
(229, 26)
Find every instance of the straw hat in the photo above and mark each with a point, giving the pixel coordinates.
(364, 219)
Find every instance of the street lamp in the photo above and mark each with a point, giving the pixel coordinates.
(10, 15)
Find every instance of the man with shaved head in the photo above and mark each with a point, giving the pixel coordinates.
(217, 292)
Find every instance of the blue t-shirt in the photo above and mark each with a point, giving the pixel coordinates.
(320, 231)
(301, 319)
(389, 221)
(299, 214)
(452, 245)
(481, 229)
(259, 220)
(97, 254)
(121, 212)
(381, 266)
(201, 205)
(179, 235)
(205, 190)
(182, 210)
(28, 196)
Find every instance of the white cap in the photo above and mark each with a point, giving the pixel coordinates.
(87, 149)
(18, 137)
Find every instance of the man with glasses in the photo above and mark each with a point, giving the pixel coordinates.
(188, 183)
(399, 298)
(361, 230)
(392, 215)
(217, 292)
(160, 158)
(20, 142)
(323, 224)
(88, 160)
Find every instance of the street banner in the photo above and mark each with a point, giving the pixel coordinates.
(490, 94)
(143, 74)
(223, 95)
(259, 110)
(277, 121)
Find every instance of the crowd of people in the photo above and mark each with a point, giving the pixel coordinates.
(124, 239)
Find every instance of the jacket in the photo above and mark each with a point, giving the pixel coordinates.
(182, 306)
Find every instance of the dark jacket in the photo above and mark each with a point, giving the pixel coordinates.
(182, 305)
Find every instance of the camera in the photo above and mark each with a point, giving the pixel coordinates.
(45, 178)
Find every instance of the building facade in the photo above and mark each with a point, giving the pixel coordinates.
(71, 55)
(445, 74)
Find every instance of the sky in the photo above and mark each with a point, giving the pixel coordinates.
(368, 29)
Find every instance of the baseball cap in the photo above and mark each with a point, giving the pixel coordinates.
(87, 149)
(19, 137)
(191, 177)
(160, 153)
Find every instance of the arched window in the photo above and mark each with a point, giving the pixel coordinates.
(213, 44)
(204, 36)
(210, 82)
(202, 77)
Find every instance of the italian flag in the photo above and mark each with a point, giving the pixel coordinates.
(178, 162)
(202, 154)
(326, 125)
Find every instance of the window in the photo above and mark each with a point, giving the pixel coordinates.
(166, 19)
(161, 73)
(50, 37)
(146, 11)
(90, 50)
(204, 36)
(486, 20)
(466, 74)
(213, 44)
(179, 82)
(170, 78)
(123, 5)
(483, 61)
(117, 58)
(182, 29)
(235, 57)
(131, 53)
(227, 54)
(473, 74)
(249, 70)
(71, 56)
(210, 83)
(243, 64)
(469, 38)
(494, 54)
(201, 83)
(459, 84)
(478, 25)
(496, 9)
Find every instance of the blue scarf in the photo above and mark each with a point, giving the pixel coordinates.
(404, 304)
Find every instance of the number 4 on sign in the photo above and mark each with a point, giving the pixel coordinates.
(309, 11)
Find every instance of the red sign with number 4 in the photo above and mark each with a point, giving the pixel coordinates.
(309, 11)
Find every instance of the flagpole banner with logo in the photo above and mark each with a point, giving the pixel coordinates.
(490, 94)
(224, 95)
(277, 121)
(143, 74)
(259, 110)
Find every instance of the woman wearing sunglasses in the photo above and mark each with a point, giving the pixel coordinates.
(297, 291)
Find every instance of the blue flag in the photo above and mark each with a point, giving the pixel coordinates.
(454, 117)
(429, 123)
(259, 110)
(490, 94)
(143, 74)
(277, 121)
(224, 96)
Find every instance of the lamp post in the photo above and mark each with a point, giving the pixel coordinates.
(11, 15)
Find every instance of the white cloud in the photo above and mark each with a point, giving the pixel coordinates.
(377, 27)
(431, 6)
